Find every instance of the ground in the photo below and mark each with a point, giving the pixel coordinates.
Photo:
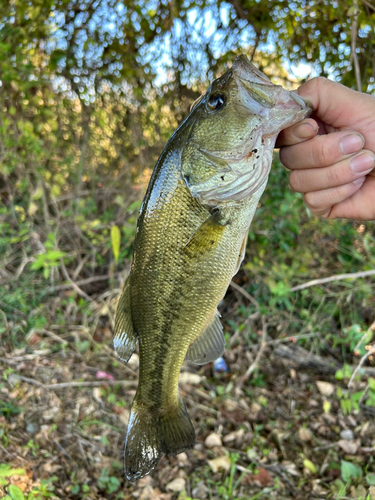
(291, 430)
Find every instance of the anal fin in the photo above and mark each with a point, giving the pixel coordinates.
(209, 345)
(125, 339)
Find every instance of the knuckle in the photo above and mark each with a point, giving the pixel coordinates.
(295, 181)
(284, 156)
(323, 155)
(311, 201)
(334, 177)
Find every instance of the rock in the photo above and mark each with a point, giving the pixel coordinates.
(134, 361)
(349, 447)
(97, 394)
(190, 378)
(177, 485)
(220, 463)
(145, 481)
(255, 408)
(182, 459)
(32, 428)
(347, 434)
(51, 413)
(233, 436)
(213, 440)
(200, 491)
(325, 388)
(372, 492)
(304, 434)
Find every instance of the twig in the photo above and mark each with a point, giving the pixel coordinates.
(371, 327)
(254, 364)
(46, 332)
(74, 285)
(5, 320)
(367, 355)
(65, 385)
(292, 338)
(245, 294)
(86, 281)
(335, 277)
(300, 357)
(353, 46)
(62, 449)
(263, 342)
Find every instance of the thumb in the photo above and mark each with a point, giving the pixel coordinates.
(336, 105)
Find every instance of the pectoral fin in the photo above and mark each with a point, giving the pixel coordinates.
(125, 339)
(206, 237)
(209, 345)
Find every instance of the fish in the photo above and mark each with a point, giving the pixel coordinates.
(190, 241)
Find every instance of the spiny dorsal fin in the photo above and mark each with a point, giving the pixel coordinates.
(209, 345)
(125, 339)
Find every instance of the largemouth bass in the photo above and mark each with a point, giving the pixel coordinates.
(191, 239)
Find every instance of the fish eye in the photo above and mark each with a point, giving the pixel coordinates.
(216, 102)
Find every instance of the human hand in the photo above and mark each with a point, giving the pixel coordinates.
(332, 154)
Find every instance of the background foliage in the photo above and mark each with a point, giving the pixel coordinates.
(89, 93)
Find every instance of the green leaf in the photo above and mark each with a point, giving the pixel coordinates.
(310, 466)
(7, 471)
(75, 489)
(371, 383)
(115, 241)
(350, 471)
(370, 478)
(15, 492)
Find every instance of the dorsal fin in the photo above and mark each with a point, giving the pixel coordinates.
(209, 345)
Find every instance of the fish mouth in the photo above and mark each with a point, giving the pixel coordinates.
(278, 108)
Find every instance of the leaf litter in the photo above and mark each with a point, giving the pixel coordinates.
(64, 412)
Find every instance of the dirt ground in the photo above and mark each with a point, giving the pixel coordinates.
(283, 433)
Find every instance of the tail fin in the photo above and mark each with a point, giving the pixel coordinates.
(150, 435)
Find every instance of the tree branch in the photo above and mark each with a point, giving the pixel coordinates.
(335, 277)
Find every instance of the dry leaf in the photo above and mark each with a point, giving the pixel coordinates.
(349, 447)
(263, 478)
(220, 463)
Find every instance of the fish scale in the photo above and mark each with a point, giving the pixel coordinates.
(190, 241)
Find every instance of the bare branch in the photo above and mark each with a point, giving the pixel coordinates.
(335, 277)
(353, 46)
(245, 294)
(74, 285)
(367, 355)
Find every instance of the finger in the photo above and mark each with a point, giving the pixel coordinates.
(360, 206)
(343, 172)
(327, 98)
(298, 132)
(321, 202)
(322, 150)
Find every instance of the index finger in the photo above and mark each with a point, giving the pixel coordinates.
(299, 132)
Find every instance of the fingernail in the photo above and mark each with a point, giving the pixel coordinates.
(351, 143)
(360, 181)
(362, 163)
(304, 130)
